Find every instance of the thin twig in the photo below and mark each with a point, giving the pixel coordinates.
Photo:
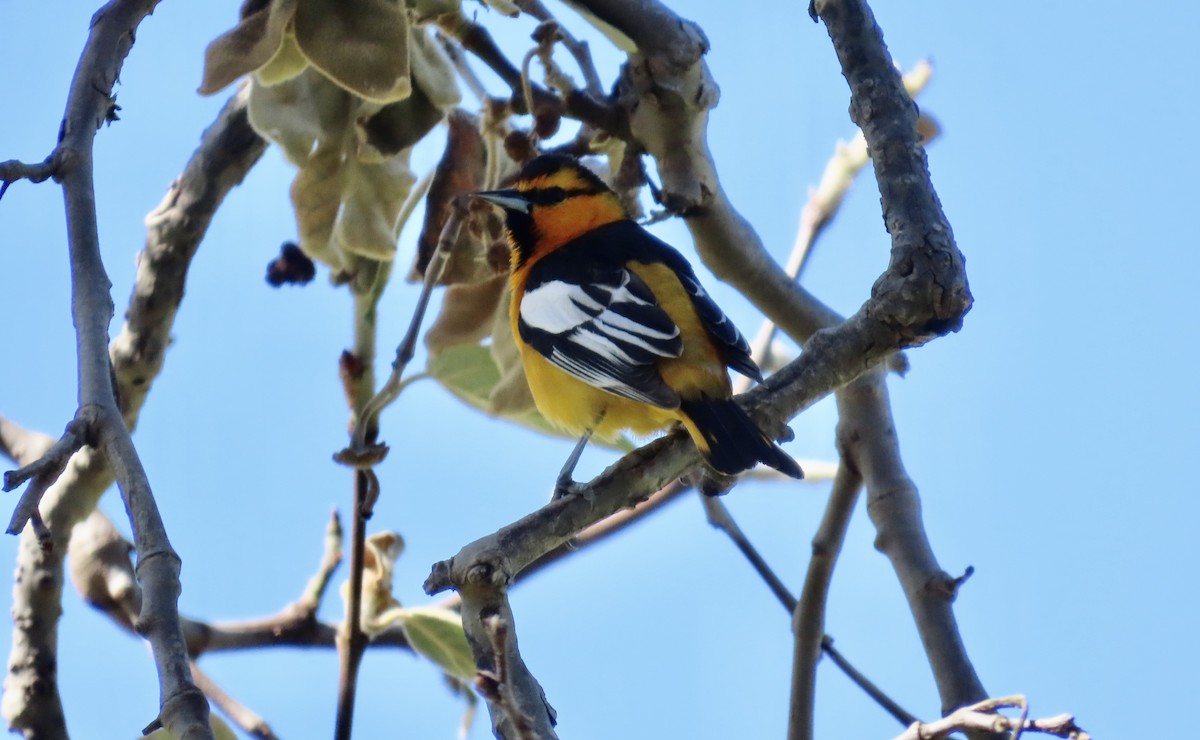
(984, 717)
(407, 348)
(719, 517)
(867, 685)
(808, 615)
(331, 558)
(42, 473)
(580, 105)
(183, 708)
(578, 49)
(352, 642)
(245, 718)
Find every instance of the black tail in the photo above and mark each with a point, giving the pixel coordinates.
(732, 442)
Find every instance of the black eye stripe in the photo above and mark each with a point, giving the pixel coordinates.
(555, 195)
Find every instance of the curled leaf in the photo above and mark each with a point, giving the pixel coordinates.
(432, 71)
(372, 197)
(379, 563)
(249, 45)
(461, 170)
(316, 199)
(362, 45)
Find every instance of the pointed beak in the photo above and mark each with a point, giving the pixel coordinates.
(509, 200)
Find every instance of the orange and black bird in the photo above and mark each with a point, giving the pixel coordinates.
(614, 329)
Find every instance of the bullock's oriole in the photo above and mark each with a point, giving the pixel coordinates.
(614, 329)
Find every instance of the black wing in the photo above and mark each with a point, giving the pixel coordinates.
(625, 241)
(601, 325)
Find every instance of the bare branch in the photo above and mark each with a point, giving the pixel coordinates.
(984, 717)
(42, 473)
(516, 702)
(369, 414)
(808, 614)
(351, 641)
(228, 150)
(719, 517)
(183, 708)
(12, 170)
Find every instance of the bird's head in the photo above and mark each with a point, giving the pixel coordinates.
(553, 200)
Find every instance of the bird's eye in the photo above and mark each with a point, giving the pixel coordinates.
(551, 196)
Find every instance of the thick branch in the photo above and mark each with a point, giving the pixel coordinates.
(924, 292)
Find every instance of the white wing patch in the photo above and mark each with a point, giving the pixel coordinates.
(609, 334)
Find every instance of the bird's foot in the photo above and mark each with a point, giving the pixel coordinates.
(565, 486)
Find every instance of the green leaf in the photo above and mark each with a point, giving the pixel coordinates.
(437, 634)
(469, 372)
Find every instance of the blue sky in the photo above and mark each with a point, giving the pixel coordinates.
(1049, 438)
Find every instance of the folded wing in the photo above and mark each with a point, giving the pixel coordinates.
(605, 328)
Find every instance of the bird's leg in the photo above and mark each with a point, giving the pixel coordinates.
(565, 483)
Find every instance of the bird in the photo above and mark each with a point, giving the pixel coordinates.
(615, 331)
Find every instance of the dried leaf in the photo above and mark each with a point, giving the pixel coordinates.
(461, 169)
(247, 46)
(469, 372)
(379, 563)
(467, 314)
(371, 200)
(395, 127)
(362, 45)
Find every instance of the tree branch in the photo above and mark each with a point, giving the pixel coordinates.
(22, 446)
(808, 615)
(228, 149)
(983, 718)
(183, 708)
